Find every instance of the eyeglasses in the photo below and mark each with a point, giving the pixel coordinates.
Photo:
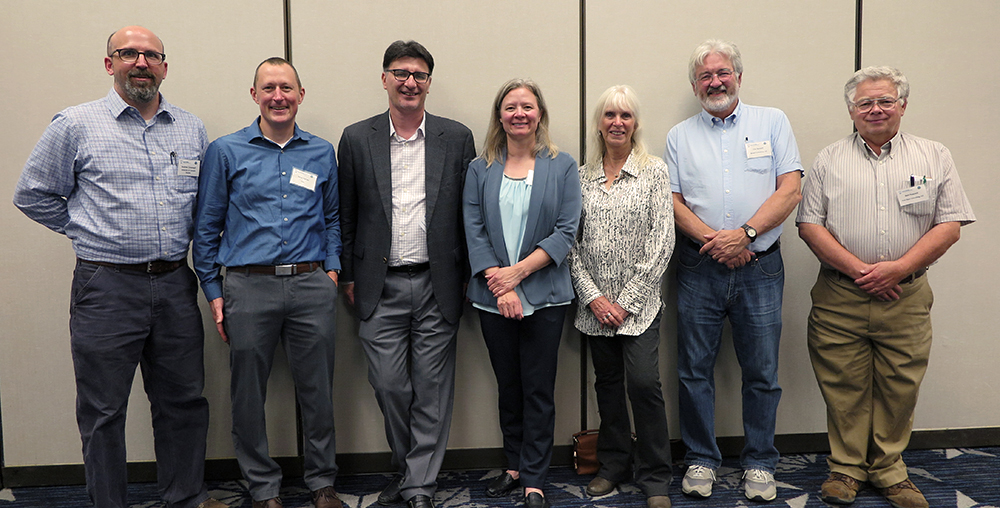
(723, 75)
(884, 103)
(129, 55)
(403, 75)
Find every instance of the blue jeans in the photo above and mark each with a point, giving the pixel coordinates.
(750, 296)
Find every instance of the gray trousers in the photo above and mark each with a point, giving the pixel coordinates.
(411, 366)
(299, 311)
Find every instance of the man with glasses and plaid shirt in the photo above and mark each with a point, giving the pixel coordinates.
(401, 179)
(878, 208)
(118, 176)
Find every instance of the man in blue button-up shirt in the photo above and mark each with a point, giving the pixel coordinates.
(118, 177)
(734, 172)
(268, 212)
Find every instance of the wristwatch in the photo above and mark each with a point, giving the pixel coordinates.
(750, 231)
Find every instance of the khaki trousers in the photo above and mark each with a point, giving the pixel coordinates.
(869, 357)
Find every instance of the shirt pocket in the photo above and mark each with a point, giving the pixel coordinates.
(760, 164)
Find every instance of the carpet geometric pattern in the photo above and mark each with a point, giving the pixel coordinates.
(954, 477)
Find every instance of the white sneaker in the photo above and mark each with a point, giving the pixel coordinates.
(758, 485)
(698, 481)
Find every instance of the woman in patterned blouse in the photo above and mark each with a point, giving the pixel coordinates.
(625, 239)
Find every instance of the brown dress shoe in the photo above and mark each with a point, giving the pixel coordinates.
(840, 489)
(904, 495)
(268, 503)
(658, 502)
(326, 498)
(213, 503)
(600, 486)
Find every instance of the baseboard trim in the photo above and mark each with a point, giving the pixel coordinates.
(479, 458)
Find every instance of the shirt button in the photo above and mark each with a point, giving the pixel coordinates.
(282, 173)
(161, 203)
(284, 196)
(286, 219)
(881, 257)
(729, 215)
(157, 178)
(286, 243)
(163, 228)
(726, 170)
(725, 151)
(727, 191)
(881, 208)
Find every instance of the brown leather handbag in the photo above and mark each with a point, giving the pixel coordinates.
(585, 452)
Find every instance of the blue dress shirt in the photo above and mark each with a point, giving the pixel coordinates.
(247, 194)
(109, 180)
(708, 163)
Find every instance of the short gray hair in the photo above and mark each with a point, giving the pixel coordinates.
(724, 48)
(879, 73)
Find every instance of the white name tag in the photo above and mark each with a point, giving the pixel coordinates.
(531, 177)
(187, 167)
(915, 194)
(304, 179)
(758, 149)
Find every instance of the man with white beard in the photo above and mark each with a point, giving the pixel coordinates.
(734, 173)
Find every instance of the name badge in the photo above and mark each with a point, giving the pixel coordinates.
(187, 167)
(915, 194)
(758, 149)
(531, 177)
(304, 179)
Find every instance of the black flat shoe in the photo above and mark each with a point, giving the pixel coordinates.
(536, 500)
(502, 485)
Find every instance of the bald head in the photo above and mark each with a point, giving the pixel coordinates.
(117, 39)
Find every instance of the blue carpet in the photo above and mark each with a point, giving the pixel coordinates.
(960, 478)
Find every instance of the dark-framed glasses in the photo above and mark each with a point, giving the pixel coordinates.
(129, 55)
(884, 103)
(403, 75)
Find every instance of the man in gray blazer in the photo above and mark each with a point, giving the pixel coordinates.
(404, 264)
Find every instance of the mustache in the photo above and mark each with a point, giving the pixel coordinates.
(141, 73)
(717, 89)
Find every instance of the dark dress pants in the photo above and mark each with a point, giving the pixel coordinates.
(524, 355)
(120, 319)
(635, 359)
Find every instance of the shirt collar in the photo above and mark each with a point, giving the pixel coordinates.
(117, 105)
(887, 148)
(733, 117)
(630, 168)
(254, 132)
(416, 135)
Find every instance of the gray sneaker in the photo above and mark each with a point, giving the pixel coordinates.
(758, 485)
(698, 481)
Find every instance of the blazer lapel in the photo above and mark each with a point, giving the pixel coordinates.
(434, 152)
(378, 147)
(538, 184)
(494, 224)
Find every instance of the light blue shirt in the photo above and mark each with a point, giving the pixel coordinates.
(275, 205)
(707, 158)
(109, 180)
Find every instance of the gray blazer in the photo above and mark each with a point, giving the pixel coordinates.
(366, 209)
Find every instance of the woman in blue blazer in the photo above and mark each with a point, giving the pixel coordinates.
(522, 208)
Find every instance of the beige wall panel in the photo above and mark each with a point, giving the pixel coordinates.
(939, 46)
(477, 46)
(794, 55)
(58, 48)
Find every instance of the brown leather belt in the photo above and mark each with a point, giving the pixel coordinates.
(153, 267)
(279, 270)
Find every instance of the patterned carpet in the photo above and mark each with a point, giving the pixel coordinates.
(960, 478)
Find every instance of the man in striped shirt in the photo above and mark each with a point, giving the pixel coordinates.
(878, 208)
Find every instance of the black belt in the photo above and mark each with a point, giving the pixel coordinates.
(770, 250)
(154, 267)
(279, 270)
(411, 269)
(906, 280)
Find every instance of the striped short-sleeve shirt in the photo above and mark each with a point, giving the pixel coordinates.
(856, 195)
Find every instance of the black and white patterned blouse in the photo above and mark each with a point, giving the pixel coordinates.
(625, 240)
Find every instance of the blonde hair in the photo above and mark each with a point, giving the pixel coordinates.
(621, 97)
(495, 145)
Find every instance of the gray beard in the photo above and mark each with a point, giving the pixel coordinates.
(141, 94)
